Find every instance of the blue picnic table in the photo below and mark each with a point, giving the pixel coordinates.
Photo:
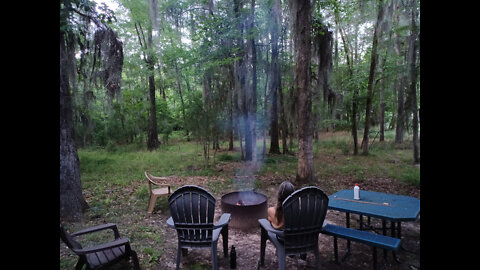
(385, 206)
(381, 205)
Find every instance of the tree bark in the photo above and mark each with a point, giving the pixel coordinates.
(240, 80)
(301, 29)
(252, 98)
(152, 138)
(231, 106)
(275, 85)
(72, 202)
(355, 90)
(412, 71)
(399, 86)
(371, 77)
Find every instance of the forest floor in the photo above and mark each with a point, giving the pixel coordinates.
(247, 243)
(386, 170)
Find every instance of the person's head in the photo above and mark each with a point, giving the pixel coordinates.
(284, 190)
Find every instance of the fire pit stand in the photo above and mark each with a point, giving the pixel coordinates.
(245, 207)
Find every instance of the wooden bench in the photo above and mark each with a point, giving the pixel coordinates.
(372, 239)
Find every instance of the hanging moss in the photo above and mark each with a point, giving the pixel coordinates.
(109, 54)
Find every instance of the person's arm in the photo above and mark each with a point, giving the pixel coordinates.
(273, 219)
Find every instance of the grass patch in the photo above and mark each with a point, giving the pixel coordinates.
(279, 164)
(411, 176)
(229, 157)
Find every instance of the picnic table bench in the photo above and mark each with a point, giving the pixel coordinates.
(371, 239)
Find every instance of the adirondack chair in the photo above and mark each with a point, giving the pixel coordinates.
(164, 189)
(102, 255)
(304, 214)
(192, 209)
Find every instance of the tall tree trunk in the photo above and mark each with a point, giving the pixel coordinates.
(72, 202)
(231, 102)
(387, 26)
(152, 138)
(399, 85)
(371, 77)
(283, 122)
(178, 80)
(152, 142)
(245, 92)
(240, 78)
(275, 85)
(252, 99)
(283, 108)
(382, 110)
(412, 71)
(301, 29)
(355, 89)
(265, 114)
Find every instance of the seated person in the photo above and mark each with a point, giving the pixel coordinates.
(275, 214)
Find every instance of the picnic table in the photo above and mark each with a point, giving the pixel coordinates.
(385, 206)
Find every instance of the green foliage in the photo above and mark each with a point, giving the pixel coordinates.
(190, 45)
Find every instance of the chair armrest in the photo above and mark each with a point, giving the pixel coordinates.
(160, 184)
(101, 227)
(158, 178)
(170, 223)
(265, 224)
(223, 221)
(118, 242)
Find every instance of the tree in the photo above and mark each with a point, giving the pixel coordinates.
(350, 73)
(149, 58)
(72, 202)
(399, 82)
(252, 95)
(301, 28)
(275, 85)
(412, 73)
(371, 77)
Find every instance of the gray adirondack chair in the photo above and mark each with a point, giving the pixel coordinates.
(304, 214)
(103, 255)
(192, 209)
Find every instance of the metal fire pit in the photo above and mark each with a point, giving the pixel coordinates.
(245, 207)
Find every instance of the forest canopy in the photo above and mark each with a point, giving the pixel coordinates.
(219, 71)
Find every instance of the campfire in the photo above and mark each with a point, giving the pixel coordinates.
(245, 207)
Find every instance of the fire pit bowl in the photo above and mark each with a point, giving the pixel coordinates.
(245, 207)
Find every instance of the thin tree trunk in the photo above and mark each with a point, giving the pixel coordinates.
(355, 90)
(371, 77)
(265, 128)
(152, 138)
(252, 99)
(301, 29)
(180, 92)
(239, 73)
(231, 107)
(412, 57)
(275, 16)
(399, 86)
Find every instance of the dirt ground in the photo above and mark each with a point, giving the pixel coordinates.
(247, 243)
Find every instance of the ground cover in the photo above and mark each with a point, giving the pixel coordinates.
(116, 190)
